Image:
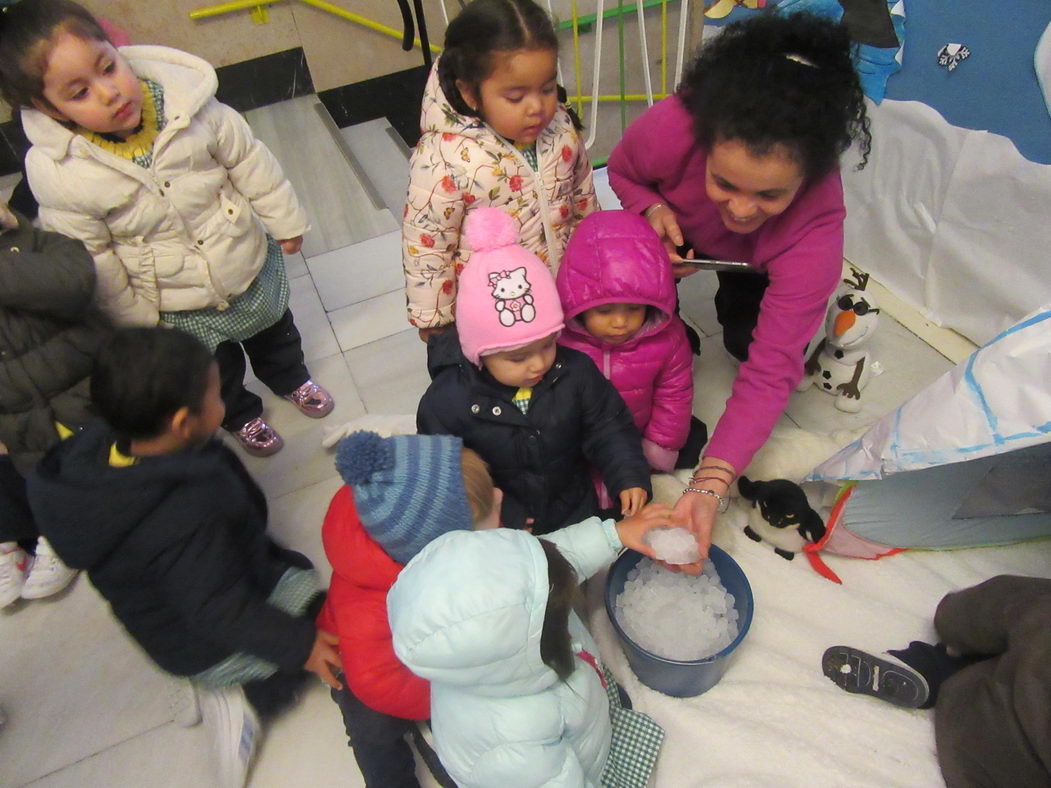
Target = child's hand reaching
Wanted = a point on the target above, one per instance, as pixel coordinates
(291, 245)
(323, 657)
(632, 500)
(631, 530)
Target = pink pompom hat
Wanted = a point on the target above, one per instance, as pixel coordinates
(506, 296)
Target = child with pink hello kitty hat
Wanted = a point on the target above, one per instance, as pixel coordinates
(540, 414)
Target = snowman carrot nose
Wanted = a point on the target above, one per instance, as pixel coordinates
(844, 322)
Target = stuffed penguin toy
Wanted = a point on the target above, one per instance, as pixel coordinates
(781, 515)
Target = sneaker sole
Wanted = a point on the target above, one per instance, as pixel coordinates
(862, 673)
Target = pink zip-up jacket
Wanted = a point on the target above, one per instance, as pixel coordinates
(801, 250)
(615, 257)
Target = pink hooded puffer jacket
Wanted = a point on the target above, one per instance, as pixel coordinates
(615, 257)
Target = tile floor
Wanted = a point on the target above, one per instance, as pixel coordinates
(85, 707)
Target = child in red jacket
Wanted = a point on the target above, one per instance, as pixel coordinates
(401, 493)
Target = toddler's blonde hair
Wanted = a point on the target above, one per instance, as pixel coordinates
(478, 484)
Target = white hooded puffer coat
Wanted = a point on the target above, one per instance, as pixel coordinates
(467, 614)
(190, 231)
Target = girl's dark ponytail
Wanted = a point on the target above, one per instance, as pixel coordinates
(563, 99)
(555, 641)
(447, 76)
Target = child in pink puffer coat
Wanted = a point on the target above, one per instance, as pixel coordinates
(619, 299)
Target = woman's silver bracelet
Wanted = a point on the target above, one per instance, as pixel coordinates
(724, 503)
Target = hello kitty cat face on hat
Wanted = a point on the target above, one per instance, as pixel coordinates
(506, 297)
(513, 301)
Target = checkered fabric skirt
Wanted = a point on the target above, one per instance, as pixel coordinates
(254, 310)
(635, 746)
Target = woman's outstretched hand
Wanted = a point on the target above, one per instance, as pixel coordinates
(697, 512)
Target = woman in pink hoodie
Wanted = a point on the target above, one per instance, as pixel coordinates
(742, 163)
(618, 295)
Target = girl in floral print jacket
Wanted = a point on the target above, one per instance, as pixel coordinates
(493, 134)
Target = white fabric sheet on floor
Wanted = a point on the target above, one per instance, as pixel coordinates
(774, 719)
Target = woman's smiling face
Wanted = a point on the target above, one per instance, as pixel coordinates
(749, 189)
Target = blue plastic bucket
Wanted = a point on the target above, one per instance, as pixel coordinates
(681, 679)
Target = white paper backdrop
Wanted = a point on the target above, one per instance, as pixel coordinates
(953, 221)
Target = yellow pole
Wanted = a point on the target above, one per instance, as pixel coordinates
(321, 5)
(576, 58)
(226, 8)
(664, 46)
(368, 23)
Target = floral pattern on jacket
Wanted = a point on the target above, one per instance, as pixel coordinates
(459, 164)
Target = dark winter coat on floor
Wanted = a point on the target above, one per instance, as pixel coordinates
(540, 460)
(49, 332)
(991, 720)
(177, 545)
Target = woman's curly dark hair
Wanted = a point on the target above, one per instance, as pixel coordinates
(483, 28)
(780, 80)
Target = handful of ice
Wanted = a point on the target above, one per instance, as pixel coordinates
(674, 615)
(674, 545)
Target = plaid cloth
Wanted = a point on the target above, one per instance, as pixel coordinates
(529, 154)
(522, 399)
(156, 93)
(256, 309)
(636, 740)
(292, 594)
(635, 746)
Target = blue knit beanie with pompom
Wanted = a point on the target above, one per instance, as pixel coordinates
(408, 489)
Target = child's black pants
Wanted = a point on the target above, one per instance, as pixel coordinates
(276, 354)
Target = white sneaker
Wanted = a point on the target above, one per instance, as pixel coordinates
(238, 732)
(48, 574)
(13, 565)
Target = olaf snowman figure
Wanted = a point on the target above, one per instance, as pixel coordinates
(840, 363)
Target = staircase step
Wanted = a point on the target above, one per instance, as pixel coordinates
(304, 139)
(384, 157)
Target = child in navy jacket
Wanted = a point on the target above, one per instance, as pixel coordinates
(537, 413)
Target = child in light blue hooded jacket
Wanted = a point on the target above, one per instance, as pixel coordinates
(518, 694)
